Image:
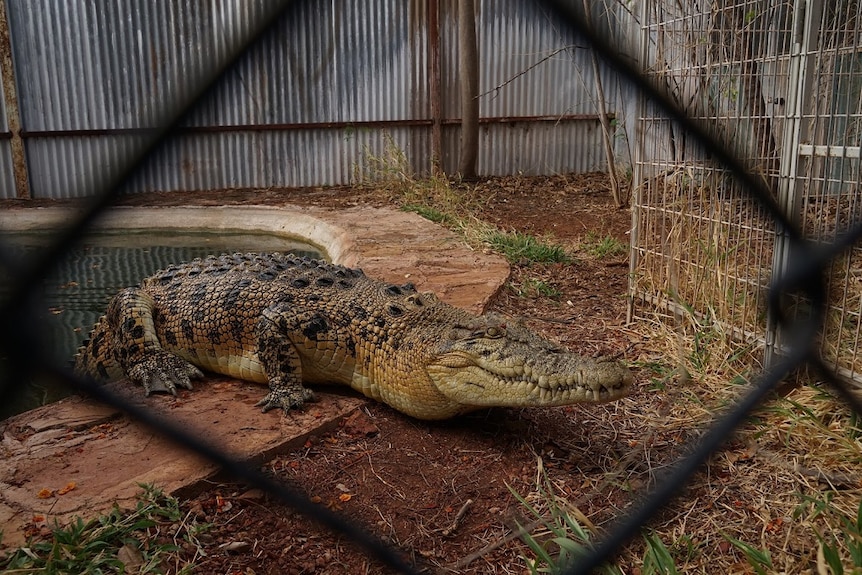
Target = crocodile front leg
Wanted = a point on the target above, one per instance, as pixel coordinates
(280, 359)
(137, 347)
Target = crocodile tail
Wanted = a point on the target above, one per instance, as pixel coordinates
(95, 358)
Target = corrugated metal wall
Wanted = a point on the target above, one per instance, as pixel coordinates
(7, 180)
(533, 70)
(330, 83)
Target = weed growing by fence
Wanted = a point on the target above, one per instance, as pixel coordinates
(144, 540)
(438, 199)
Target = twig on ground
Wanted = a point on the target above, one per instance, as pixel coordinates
(455, 522)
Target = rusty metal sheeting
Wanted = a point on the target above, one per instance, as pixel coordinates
(93, 77)
(7, 180)
(294, 158)
(533, 148)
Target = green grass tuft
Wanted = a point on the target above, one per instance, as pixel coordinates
(658, 559)
(519, 248)
(430, 213)
(534, 288)
(759, 559)
(605, 247)
(139, 541)
(841, 541)
(566, 539)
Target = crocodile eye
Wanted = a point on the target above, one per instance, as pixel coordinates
(493, 332)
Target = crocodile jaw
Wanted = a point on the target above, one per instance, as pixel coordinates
(492, 360)
(475, 382)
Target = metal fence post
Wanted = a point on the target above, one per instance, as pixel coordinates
(806, 16)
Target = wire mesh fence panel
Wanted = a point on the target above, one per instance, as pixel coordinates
(824, 196)
(779, 87)
(770, 90)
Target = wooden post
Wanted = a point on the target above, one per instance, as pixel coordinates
(468, 61)
(7, 78)
(436, 92)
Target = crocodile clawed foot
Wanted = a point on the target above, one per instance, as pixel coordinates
(164, 372)
(286, 399)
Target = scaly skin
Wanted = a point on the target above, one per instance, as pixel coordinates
(284, 321)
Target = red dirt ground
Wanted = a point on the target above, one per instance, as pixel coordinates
(407, 480)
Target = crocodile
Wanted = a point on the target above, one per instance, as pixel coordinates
(285, 321)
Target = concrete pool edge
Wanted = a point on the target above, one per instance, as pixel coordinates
(387, 244)
(88, 456)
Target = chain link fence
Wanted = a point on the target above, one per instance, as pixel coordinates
(727, 231)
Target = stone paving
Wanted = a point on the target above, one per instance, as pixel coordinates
(78, 457)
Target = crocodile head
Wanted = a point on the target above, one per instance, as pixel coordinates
(495, 361)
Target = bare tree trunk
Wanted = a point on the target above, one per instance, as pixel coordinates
(620, 200)
(434, 85)
(469, 75)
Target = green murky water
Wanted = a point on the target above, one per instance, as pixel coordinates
(76, 294)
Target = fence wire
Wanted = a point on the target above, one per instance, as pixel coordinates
(804, 278)
(21, 344)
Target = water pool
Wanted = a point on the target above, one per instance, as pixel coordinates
(76, 294)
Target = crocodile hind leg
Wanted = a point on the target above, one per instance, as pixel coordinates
(137, 347)
(96, 358)
(280, 359)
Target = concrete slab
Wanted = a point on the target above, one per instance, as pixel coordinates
(77, 457)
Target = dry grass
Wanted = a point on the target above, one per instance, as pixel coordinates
(784, 493)
(791, 475)
(781, 496)
(444, 201)
(705, 249)
(797, 453)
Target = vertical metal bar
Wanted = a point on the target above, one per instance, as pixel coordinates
(10, 95)
(637, 165)
(803, 50)
(434, 80)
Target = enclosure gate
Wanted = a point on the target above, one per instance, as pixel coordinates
(819, 184)
(781, 85)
